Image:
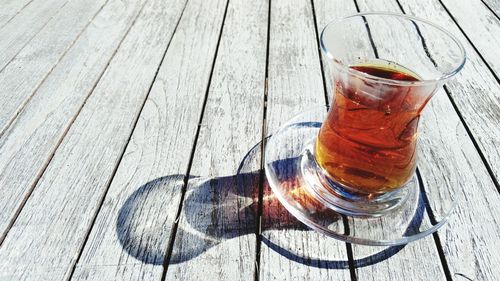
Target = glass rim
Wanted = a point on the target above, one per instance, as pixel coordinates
(374, 78)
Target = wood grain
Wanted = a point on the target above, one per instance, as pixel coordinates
(19, 31)
(86, 150)
(37, 59)
(475, 90)
(134, 226)
(295, 84)
(480, 25)
(35, 134)
(10, 8)
(49, 232)
(218, 218)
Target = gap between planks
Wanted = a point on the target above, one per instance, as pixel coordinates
(260, 206)
(432, 218)
(170, 247)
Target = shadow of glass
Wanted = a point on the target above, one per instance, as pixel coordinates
(377, 257)
(215, 210)
(147, 242)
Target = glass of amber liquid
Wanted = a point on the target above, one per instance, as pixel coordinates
(384, 69)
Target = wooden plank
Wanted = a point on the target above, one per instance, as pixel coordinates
(480, 25)
(291, 251)
(218, 220)
(134, 226)
(48, 235)
(36, 60)
(19, 31)
(377, 263)
(475, 90)
(37, 131)
(471, 238)
(10, 8)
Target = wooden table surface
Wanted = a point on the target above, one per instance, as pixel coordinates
(131, 141)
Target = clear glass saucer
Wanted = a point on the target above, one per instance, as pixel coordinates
(423, 211)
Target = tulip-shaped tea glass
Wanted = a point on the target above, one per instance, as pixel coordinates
(360, 160)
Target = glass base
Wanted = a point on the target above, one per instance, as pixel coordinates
(342, 199)
(304, 189)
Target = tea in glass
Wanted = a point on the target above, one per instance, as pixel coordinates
(368, 141)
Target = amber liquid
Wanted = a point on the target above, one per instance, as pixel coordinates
(369, 146)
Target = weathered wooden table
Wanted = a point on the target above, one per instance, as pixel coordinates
(131, 141)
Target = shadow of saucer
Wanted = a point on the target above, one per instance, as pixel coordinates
(235, 211)
(384, 254)
(216, 210)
